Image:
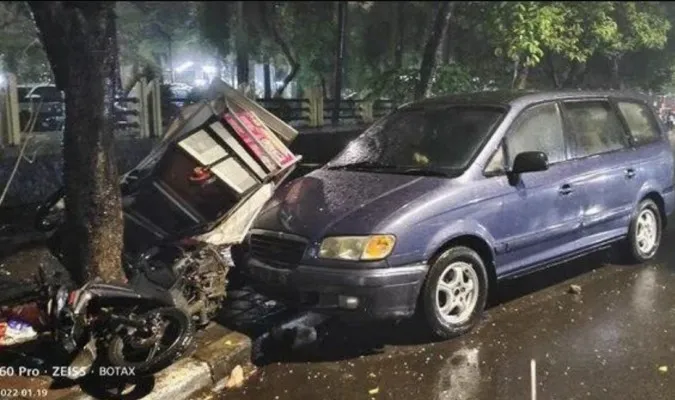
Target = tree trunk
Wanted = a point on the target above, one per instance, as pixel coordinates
(579, 76)
(267, 79)
(448, 46)
(241, 44)
(552, 70)
(11, 62)
(575, 76)
(285, 48)
(521, 78)
(431, 49)
(136, 75)
(617, 82)
(324, 91)
(329, 85)
(117, 70)
(400, 35)
(78, 40)
(339, 60)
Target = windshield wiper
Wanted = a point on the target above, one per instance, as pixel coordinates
(363, 165)
(373, 166)
(425, 172)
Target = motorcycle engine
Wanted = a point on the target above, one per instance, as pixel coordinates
(202, 281)
(195, 276)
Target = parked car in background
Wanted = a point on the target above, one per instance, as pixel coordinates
(23, 90)
(24, 104)
(44, 99)
(432, 206)
(178, 92)
(48, 102)
(174, 96)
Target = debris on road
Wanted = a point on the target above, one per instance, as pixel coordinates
(374, 391)
(663, 369)
(14, 332)
(236, 379)
(574, 289)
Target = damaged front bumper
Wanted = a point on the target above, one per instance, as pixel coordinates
(366, 294)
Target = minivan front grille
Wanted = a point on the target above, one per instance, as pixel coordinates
(277, 250)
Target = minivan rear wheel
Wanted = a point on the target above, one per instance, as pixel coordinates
(455, 291)
(644, 233)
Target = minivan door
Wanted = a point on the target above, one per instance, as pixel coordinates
(541, 210)
(603, 163)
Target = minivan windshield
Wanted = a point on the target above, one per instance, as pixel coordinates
(426, 141)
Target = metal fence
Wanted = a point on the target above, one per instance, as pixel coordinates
(315, 111)
(145, 113)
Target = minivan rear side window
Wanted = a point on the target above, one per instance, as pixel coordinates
(640, 120)
(594, 128)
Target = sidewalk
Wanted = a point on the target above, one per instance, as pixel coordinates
(216, 353)
(219, 352)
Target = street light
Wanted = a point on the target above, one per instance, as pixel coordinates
(209, 69)
(184, 66)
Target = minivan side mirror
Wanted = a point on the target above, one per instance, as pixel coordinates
(530, 161)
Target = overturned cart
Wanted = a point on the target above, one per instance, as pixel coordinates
(208, 178)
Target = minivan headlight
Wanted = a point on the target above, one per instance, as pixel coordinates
(354, 248)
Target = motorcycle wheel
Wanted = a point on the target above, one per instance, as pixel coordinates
(176, 336)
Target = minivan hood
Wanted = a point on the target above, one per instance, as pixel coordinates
(339, 202)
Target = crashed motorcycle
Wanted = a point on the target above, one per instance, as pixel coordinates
(185, 205)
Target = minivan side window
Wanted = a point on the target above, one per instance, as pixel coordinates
(496, 164)
(538, 129)
(594, 128)
(643, 128)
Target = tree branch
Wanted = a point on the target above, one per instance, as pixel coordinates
(552, 71)
(9, 23)
(52, 30)
(271, 29)
(431, 47)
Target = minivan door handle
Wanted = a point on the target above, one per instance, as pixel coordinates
(565, 189)
(630, 173)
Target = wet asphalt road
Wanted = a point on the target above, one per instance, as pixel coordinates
(610, 341)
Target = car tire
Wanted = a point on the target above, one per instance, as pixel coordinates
(466, 280)
(644, 233)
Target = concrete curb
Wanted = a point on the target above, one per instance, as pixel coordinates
(205, 368)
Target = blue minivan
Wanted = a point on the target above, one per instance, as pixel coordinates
(434, 204)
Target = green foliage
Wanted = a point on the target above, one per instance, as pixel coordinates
(641, 25)
(399, 84)
(146, 28)
(454, 78)
(218, 24)
(215, 24)
(393, 84)
(311, 30)
(526, 31)
(20, 49)
(485, 41)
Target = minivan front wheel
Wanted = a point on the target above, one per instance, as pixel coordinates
(454, 293)
(644, 233)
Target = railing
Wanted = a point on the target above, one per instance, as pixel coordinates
(140, 115)
(317, 112)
